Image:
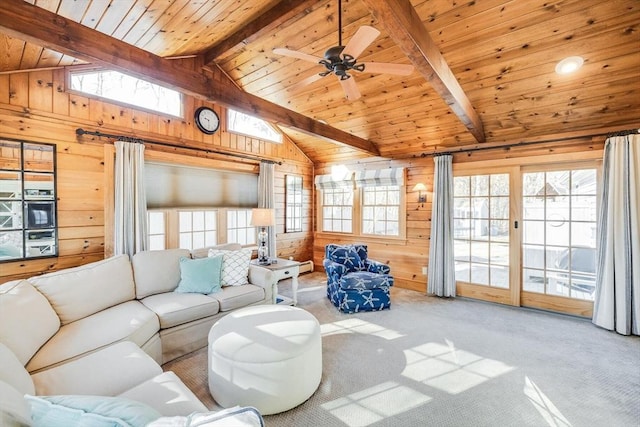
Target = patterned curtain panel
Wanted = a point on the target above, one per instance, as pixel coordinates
(380, 177)
(617, 300)
(441, 278)
(324, 182)
(130, 219)
(266, 200)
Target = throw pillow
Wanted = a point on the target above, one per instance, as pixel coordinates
(201, 275)
(347, 256)
(89, 411)
(237, 417)
(235, 266)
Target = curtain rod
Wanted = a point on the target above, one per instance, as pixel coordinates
(525, 143)
(80, 132)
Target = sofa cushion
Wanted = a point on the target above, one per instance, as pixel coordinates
(13, 372)
(107, 372)
(157, 272)
(82, 291)
(27, 320)
(237, 416)
(235, 266)
(130, 321)
(14, 410)
(361, 280)
(233, 297)
(94, 411)
(175, 309)
(204, 252)
(166, 394)
(200, 275)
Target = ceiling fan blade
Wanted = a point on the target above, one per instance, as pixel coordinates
(360, 40)
(387, 68)
(304, 82)
(350, 88)
(295, 54)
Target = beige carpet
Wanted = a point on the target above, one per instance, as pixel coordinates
(437, 362)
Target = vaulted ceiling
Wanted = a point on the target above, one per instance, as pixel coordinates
(484, 70)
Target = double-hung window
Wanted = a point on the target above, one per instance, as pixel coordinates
(367, 203)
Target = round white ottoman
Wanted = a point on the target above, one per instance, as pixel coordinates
(267, 356)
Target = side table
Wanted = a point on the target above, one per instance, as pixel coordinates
(284, 269)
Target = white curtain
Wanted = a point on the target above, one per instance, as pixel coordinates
(130, 201)
(617, 300)
(266, 200)
(441, 277)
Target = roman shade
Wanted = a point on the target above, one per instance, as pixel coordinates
(380, 177)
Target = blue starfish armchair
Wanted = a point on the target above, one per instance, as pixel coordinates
(354, 282)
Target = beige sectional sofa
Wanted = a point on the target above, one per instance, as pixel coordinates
(104, 329)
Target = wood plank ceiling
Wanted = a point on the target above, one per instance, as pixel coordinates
(503, 54)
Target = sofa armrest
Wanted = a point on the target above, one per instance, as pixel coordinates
(376, 267)
(264, 278)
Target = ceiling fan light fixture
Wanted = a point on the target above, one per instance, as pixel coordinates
(569, 65)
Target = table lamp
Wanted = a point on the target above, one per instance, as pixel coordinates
(263, 218)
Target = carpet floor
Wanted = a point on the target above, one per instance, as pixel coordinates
(455, 362)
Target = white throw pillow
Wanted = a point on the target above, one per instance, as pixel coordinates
(235, 266)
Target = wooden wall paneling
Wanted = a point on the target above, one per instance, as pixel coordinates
(19, 89)
(4, 88)
(60, 98)
(86, 164)
(41, 90)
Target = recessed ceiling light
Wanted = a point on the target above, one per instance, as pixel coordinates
(569, 65)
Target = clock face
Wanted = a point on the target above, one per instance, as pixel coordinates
(207, 120)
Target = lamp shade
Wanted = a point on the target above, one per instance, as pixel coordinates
(420, 187)
(263, 217)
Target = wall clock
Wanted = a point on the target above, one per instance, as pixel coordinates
(207, 120)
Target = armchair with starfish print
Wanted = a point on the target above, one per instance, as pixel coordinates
(355, 282)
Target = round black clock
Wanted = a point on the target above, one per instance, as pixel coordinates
(207, 120)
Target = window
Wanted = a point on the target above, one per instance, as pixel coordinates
(126, 89)
(28, 221)
(381, 210)
(337, 210)
(199, 228)
(157, 231)
(375, 207)
(251, 126)
(238, 228)
(293, 202)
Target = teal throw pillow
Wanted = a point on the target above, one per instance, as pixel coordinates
(89, 411)
(200, 275)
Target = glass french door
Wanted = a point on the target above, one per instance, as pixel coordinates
(482, 241)
(526, 236)
(559, 239)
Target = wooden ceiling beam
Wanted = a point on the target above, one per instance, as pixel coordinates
(27, 22)
(261, 25)
(405, 27)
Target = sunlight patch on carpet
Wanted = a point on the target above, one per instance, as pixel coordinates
(358, 326)
(375, 404)
(449, 369)
(543, 404)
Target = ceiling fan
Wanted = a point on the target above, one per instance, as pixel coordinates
(342, 60)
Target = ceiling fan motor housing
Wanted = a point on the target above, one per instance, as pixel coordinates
(340, 65)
